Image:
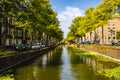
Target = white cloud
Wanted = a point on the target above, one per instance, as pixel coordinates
(65, 17)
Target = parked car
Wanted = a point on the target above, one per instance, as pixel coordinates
(20, 47)
(27, 46)
(44, 44)
(35, 45)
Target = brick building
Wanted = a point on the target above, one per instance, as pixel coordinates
(105, 34)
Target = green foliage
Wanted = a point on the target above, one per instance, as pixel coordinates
(118, 34)
(111, 73)
(55, 32)
(94, 17)
(7, 75)
(35, 16)
(91, 55)
(70, 37)
(5, 52)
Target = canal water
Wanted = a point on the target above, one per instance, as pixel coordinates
(60, 64)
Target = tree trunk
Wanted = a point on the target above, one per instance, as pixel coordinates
(31, 38)
(90, 37)
(81, 39)
(95, 37)
(102, 35)
(39, 36)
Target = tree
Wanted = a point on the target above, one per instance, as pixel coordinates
(35, 16)
(70, 37)
(103, 13)
(94, 17)
(6, 14)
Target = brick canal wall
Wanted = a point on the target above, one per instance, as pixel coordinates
(9, 61)
(112, 51)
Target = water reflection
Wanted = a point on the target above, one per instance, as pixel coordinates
(66, 72)
(63, 63)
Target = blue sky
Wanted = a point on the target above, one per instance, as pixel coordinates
(67, 10)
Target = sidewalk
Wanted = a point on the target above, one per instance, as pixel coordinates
(106, 51)
(14, 52)
(102, 55)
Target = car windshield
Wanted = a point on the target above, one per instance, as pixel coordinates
(20, 45)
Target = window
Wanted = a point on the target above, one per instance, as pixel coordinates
(2, 29)
(16, 41)
(8, 30)
(19, 32)
(113, 26)
(15, 31)
(113, 37)
(10, 41)
(113, 32)
(109, 37)
(11, 31)
(7, 42)
(109, 33)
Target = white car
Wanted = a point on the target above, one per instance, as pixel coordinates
(42, 45)
(35, 46)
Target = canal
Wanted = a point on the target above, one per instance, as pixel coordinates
(63, 63)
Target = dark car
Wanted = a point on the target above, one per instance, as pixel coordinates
(20, 47)
(27, 46)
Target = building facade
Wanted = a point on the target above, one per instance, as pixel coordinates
(13, 35)
(105, 34)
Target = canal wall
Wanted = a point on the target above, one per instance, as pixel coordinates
(9, 61)
(111, 51)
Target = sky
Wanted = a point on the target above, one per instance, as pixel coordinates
(67, 10)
